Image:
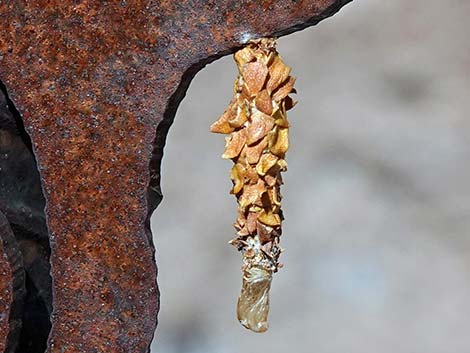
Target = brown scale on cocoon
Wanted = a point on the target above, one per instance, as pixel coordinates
(257, 125)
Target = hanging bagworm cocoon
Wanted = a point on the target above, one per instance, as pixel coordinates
(257, 125)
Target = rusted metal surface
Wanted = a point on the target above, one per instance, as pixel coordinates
(11, 288)
(97, 84)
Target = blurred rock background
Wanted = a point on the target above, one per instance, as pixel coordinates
(376, 198)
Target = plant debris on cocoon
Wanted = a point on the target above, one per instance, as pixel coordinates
(257, 125)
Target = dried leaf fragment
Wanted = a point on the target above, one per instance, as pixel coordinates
(251, 195)
(284, 90)
(239, 118)
(271, 179)
(254, 74)
(253, 152)
(289, 103)
(281, 145)
(280, 119)
(264, 233)
(222, 126)
(266, 162)
(234, 144)
(264, 102)
(251, 176)
(236, 174)
(278, 73)
(270, 218)
(244, 56)
(259, 127)
(282, 164)
(251, 222)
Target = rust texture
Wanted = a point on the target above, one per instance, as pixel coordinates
(12, 288)
(97, 84)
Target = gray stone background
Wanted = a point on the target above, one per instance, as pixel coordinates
(376, 198)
